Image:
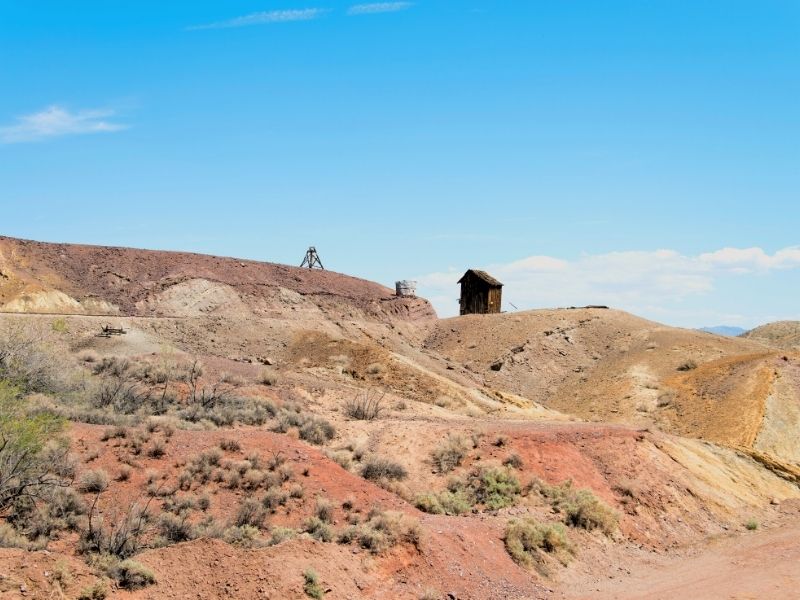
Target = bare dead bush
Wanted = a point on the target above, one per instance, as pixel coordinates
(450, 453)
(366, 406)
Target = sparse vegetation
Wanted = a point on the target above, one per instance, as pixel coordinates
(250, 512)
(230, 445)
(484, 486)
(580, 507)
(513, 461)
(445, 502)
(96, 591)
(318, 529)
(688, 365)
(311, 586)
(450, 453)
(33, 455)
(751, 525)
(377, 468)
(492, 487)
(93, 481)
(525, 540)
(366, 406)
(131, 575)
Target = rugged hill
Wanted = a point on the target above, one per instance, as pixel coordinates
(610, 366)
(75, 279)
(784, 335)
(600, 398)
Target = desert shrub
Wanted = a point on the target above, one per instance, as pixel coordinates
(11, 538)
(367, 406)
(33, 455)
(281, 534)
(751, 525)
(157, 449)
(88, 356)
(323, 510)
(493, 487)
(450, 453)
(96, 591)
(175, 528)
(348, 535)
(61, 509)
(384, 530)
(445, 502)
(121, 538)
(27, 358)
(297, 491)
(245, 536)
(230, 445)
(124, 473)
(285, 472)
(93, 481)
(317, 431)
(274, 498)
(118, 433)
(580, 507)
(500, 441)
(525, 539)
(131, 575)
(267, 377)
(377, 468)
(277, 460)
(688, 365)
(311, 585)
(203, 502)
(250, 512)
(341, 458)
(233, 480)
(252, 479)
(232, 379)
(513, 461)
(376, 368)
(318, 529)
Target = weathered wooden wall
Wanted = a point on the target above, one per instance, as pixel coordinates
(478, 297)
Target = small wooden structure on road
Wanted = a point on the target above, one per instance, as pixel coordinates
(480, 293)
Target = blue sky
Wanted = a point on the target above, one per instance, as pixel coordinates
(644, 154)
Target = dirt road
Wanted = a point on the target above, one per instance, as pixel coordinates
(763, 565)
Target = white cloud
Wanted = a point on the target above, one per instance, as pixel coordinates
(649, 282)
(55, 121)
(378, 7)
(263, 18)
(753, 259)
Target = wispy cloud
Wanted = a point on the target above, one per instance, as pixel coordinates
(651, 282)
(266, 17)
(378, 7)
(56, 121)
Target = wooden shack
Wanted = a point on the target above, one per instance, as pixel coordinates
(480, 293)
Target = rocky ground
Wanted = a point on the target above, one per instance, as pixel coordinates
(690, 439)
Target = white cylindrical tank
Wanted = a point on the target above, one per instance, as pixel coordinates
(406, 288)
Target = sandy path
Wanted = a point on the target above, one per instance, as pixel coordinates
(759, 566)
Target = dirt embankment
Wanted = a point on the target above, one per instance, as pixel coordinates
(783, 335)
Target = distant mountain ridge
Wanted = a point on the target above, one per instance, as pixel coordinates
(726, 330)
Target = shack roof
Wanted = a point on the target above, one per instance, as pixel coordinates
(482, 275)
